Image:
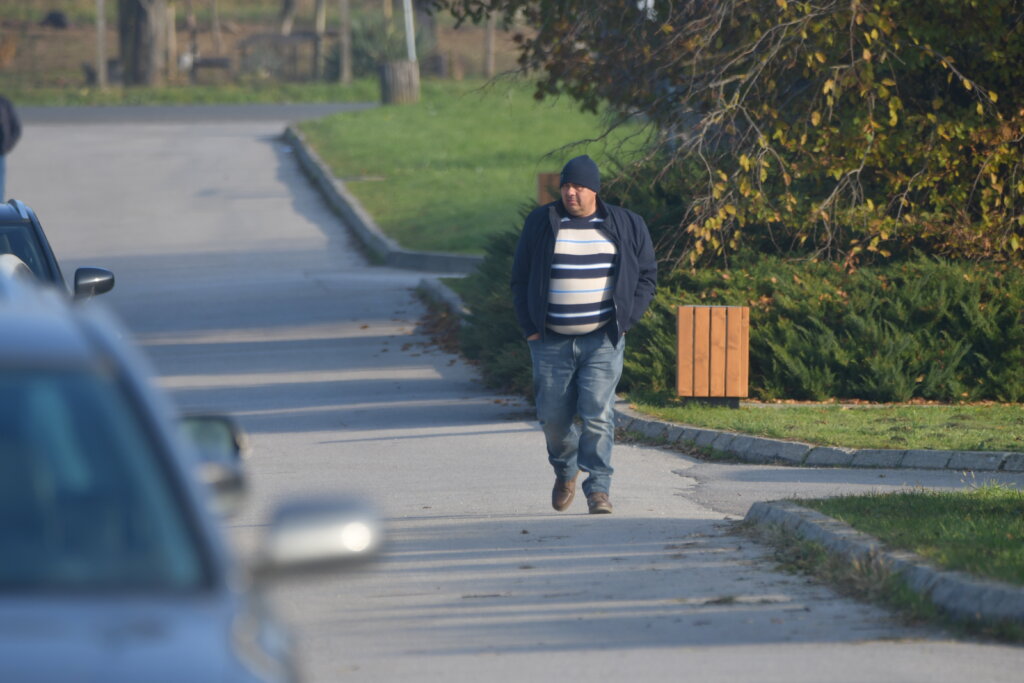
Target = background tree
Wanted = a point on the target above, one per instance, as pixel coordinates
(841, 129)
(287, 16)
(142, 35)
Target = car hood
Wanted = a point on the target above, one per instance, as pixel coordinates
(140, 639)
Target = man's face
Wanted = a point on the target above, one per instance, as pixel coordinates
(579, 200)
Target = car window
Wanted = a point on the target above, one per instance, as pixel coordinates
(20, 241)
(85, 502)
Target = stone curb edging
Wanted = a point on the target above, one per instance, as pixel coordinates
(359, 220)
(958, 594)
(435, 290)
(780, 452)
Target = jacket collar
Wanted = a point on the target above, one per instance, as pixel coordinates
(561, 212)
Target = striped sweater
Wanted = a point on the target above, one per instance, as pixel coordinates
(582, 277)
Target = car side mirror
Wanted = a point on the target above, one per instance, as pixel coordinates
(316, 535)
(91, 281)
(221, 446)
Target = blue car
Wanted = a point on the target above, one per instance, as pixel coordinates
(22, 235)
(113, 561)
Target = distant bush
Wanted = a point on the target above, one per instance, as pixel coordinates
(925, 328)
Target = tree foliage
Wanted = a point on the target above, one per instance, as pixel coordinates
(848, 130)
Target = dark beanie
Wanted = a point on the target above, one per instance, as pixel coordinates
(581, 171)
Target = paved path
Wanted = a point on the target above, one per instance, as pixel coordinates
(250, 298)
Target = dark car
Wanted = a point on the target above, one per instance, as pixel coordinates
(22, 235)
(113, 563)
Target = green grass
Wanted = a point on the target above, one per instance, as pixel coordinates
(84, 11)
(990, 427)
(980, 531)
(363, 90)
(873, 581)
(447, 172)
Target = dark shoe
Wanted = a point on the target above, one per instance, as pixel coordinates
(563, 493)
(599, 504)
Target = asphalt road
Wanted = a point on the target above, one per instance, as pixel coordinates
(250, 298)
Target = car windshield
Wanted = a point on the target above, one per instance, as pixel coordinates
(85, 503)
(21, 241)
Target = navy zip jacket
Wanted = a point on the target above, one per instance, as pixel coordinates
(635, 267)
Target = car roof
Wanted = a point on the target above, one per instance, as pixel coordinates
(41, 337)
(40, 326)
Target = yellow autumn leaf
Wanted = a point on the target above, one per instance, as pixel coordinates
(829, 86)
(782, 3)
(993, 96)
(967, 84)
(820, 56)
(815, 118)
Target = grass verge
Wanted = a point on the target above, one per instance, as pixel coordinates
(449, 171)
(873, 581)
(362, 90)
(989, 427)
(980, 531)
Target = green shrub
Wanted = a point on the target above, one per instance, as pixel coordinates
(922, 329)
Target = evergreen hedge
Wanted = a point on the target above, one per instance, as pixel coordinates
(920, 329)
(924, 328)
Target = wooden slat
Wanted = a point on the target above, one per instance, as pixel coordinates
(701, 350)
(684, 357)
(744, 360)
(733, 351)
(716, 354)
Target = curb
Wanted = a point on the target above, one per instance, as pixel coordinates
(958, 594)
(380, 246)
(435, 290)
(767, 451)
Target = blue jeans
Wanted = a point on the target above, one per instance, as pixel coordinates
(576, 377)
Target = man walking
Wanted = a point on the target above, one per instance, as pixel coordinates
(584, 272)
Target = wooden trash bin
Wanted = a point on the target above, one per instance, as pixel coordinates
(713, 353)
(547, 187)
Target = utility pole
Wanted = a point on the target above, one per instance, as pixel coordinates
(344, 41)
(101, 44)
(410, 30)
(319, 28)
